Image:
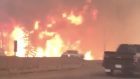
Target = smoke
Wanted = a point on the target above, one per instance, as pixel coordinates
(121, 25)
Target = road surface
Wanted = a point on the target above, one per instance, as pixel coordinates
(88, 70)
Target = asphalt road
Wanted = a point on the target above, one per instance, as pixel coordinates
(89, 70)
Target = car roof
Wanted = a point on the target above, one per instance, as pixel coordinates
(71, 52)
(133, 48)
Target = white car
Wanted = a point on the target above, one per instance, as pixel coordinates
(72, 53)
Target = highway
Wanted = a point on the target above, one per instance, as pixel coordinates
(88, 70)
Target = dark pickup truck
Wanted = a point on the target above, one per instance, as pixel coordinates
(126, 59)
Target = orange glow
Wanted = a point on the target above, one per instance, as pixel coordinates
(46, 40)
(40, 52)
(88, 56)
(45, 33)
(49, 25)
(74, 19)
(4, 34)
(41, 35)
(36, 25)
(19, 35)
(88, 1)
(64, 15)
(54, 46)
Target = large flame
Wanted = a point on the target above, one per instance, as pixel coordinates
(54, 47)
(54, 44)
(19, 35)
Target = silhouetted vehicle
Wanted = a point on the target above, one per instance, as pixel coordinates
(126, 59)
(72, 53)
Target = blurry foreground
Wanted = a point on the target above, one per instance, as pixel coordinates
(53, 68)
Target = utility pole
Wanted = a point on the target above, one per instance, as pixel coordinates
(15, 47)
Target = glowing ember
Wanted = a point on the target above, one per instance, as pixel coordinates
(88, 56)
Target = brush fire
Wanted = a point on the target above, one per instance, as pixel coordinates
(49, 37)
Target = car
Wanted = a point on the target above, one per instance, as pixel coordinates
(71, 54)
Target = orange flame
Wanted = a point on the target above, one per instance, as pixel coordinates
(40, 52)
(36, 25)
(54, 46)
(51, 23)
(88, 56)
(45, 33)
(74, 19)
(19, 35)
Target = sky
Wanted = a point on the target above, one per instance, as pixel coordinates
(117, 20)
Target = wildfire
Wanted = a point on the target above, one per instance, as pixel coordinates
(74, 19)
(45, 33)
(49, 25)
(19, 35)
(36, 25)
(40, 52)
(53, 43)
(54, 47)
(88, 56)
